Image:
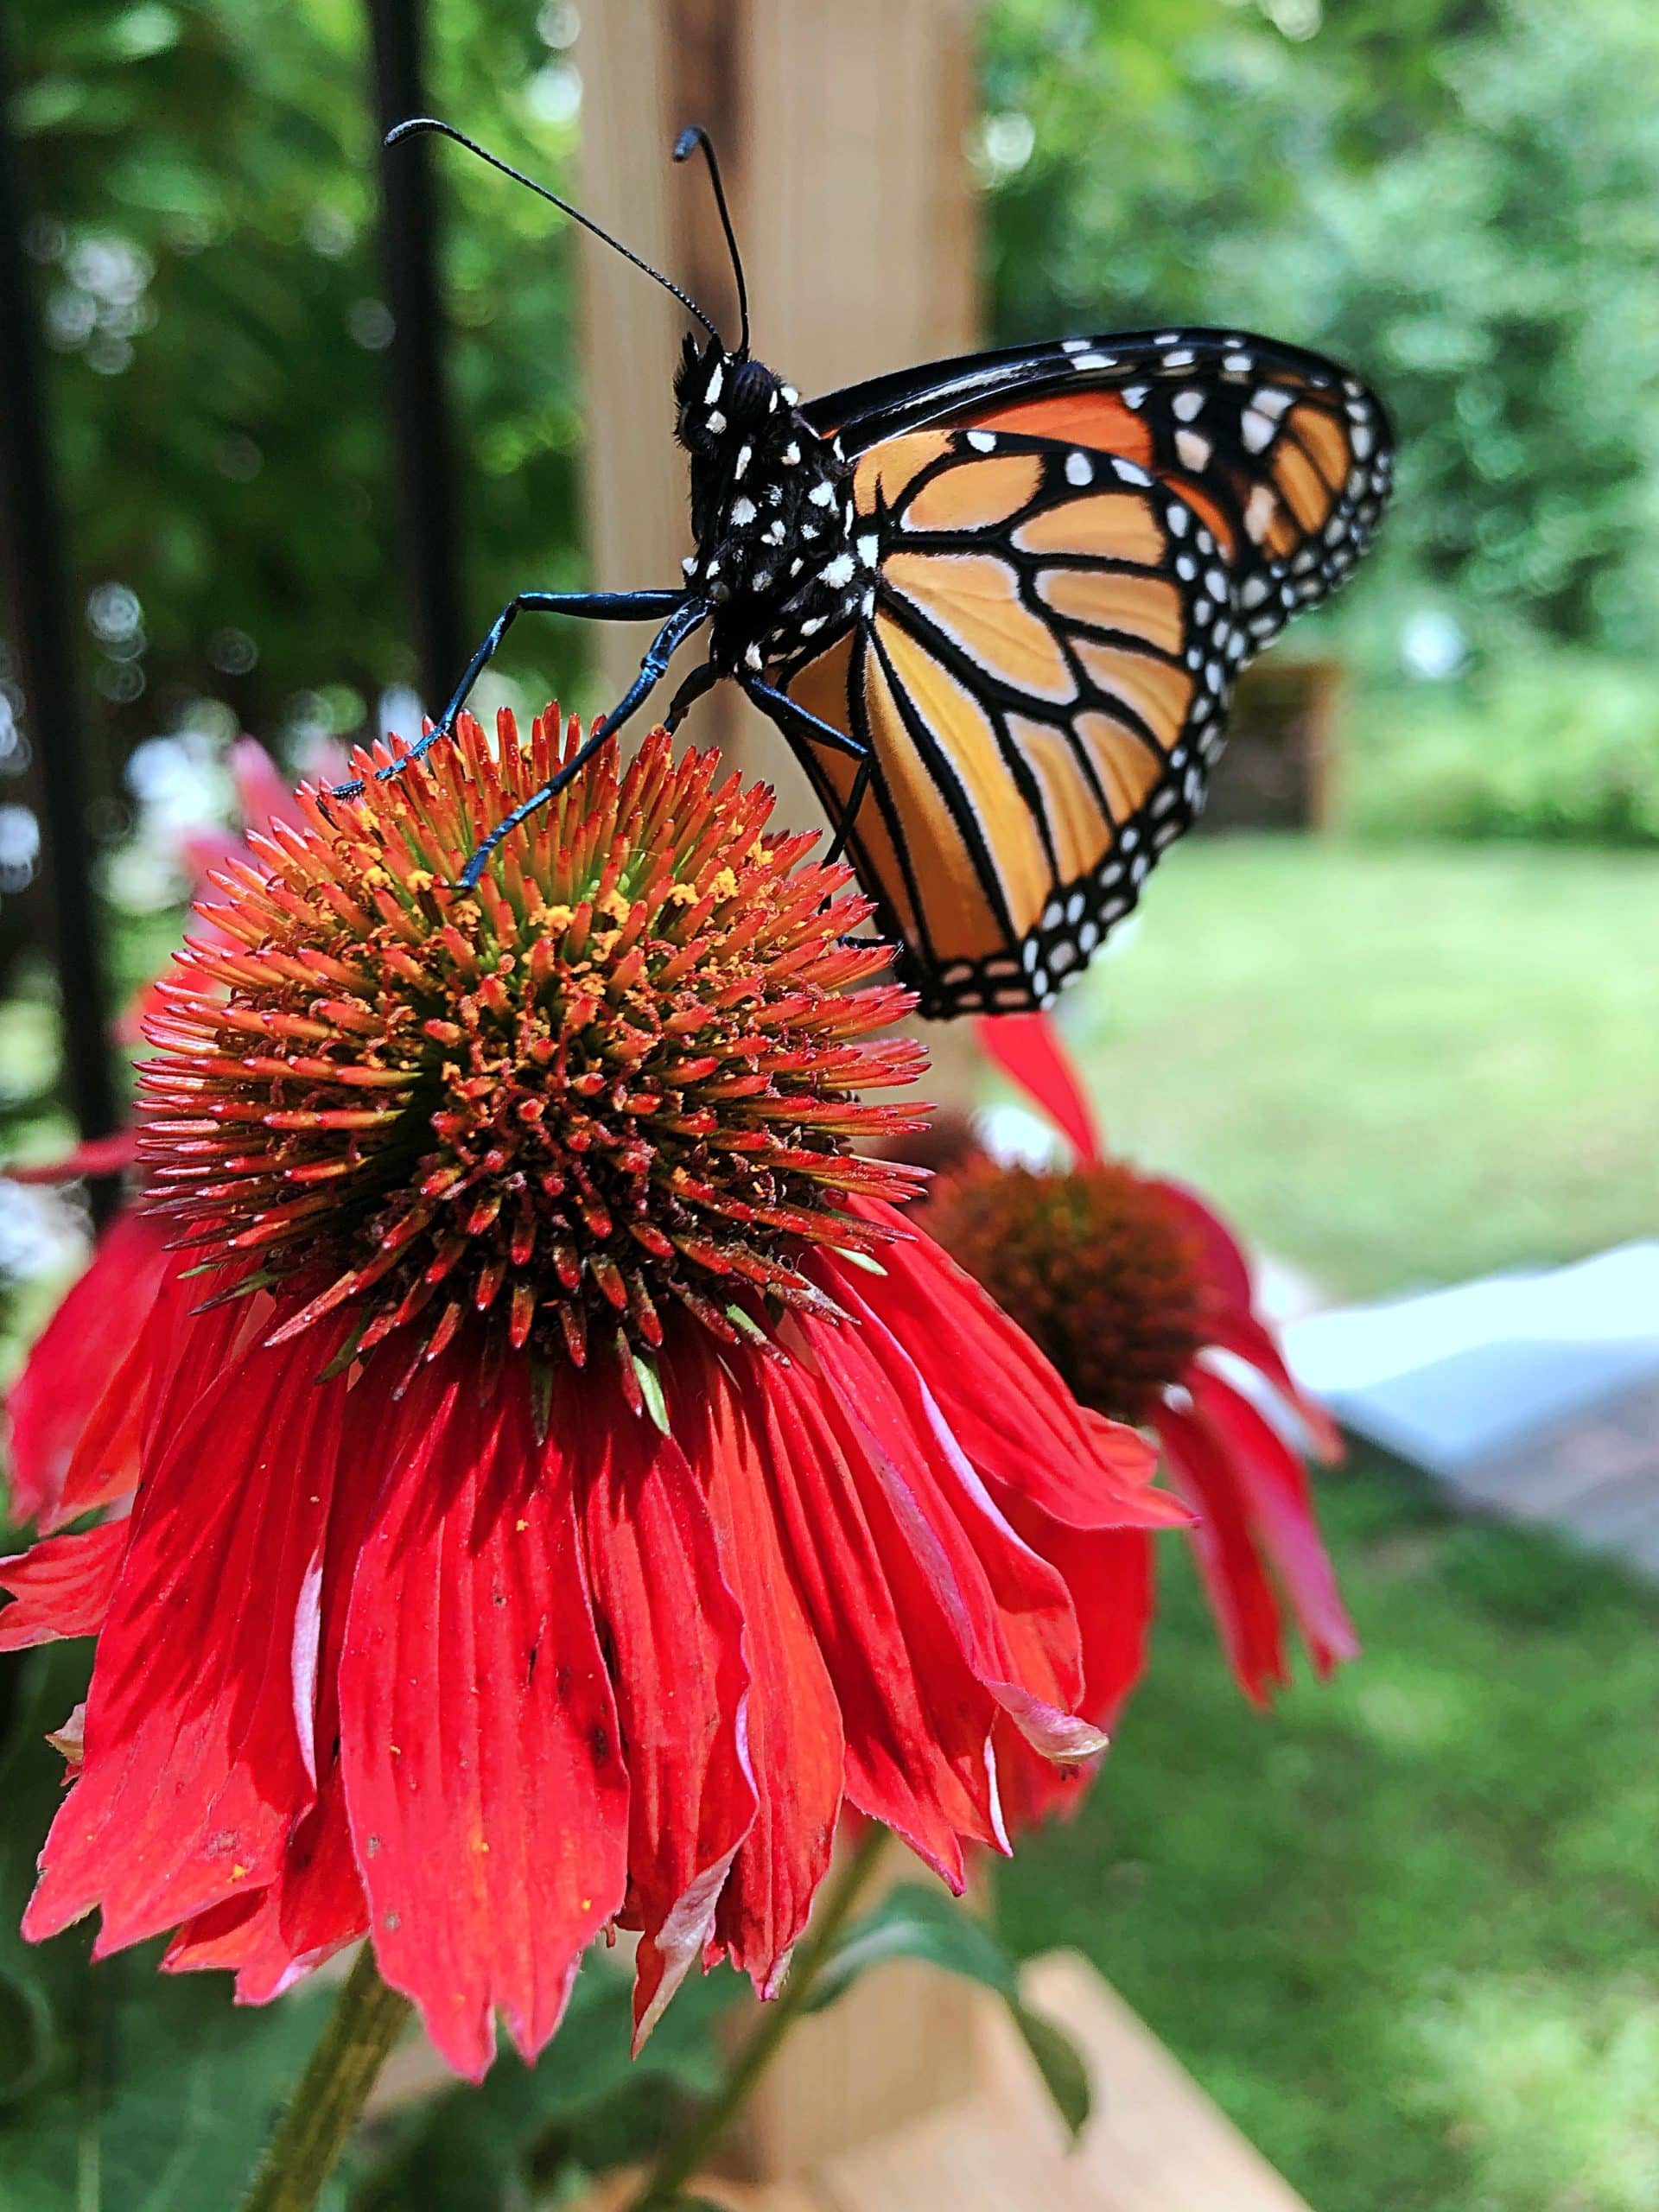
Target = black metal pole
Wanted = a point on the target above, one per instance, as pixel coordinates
(31, 531)
(421, 425)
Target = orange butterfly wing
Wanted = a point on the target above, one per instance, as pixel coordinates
(1068, 580)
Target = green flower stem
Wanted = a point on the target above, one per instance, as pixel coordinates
(366, 2021)
(685, 2155)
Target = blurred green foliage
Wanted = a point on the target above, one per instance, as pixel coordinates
(203, 183)
(1462, 195)
(1558, 746)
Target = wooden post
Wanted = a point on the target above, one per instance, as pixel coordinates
(841, 131)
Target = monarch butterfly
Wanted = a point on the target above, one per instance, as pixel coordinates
(995, 605)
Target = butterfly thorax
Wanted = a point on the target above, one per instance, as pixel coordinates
(771, 512)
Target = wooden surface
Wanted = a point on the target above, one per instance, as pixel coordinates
(1156, 2143)
(842, 134)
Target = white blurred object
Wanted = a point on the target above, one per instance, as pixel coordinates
(1432, 645)
(40, 1232)
(1015, 1137)
(1451, 1378)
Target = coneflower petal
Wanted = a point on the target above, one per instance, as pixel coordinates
(482, 1758)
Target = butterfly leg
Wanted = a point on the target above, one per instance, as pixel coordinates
(587, 605)
(690, 616)
(700, 680)
(796, 723)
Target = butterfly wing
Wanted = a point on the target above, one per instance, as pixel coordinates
(1075, 553)
(1041, 678)
(1288, 457)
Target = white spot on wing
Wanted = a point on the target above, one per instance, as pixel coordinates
(1194, 450)
(1256, 429)
(983, 441)
(1079, 469)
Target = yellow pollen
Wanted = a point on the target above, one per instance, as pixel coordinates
(377, 875)
(616, 908)
(552, 917)
(420, 878)
(680, 895)
(725, 884)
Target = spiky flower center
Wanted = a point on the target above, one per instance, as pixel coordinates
(626, 1072)
(1095, 1265)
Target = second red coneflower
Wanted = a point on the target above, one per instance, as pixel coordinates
(558, 1483)
(1138, 1291)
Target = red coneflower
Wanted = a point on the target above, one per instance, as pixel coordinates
(570, 1481)
(1133, 1286)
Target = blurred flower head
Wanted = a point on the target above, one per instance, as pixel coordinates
(1140, 1295)
(570, 1484)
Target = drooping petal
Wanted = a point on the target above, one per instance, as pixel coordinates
(1008, 1611)
(82, 1363)
(674, 1634)
(1109, 1574)
(917, 1723)
(1235, 1325)
(196, 1759)
(1028, 1049)
(483, 1768)
(313, 1904)
(110, 1155)
(1003, 1401)
(62, 1586)
(1274, 1489)
(1241, 1596)
(792, 1723)
(313, 1907)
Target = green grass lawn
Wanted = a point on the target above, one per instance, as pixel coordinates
(1393, 1065)
(1406, 1929)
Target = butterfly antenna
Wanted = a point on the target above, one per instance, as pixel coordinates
(689, 139)
(417, 122)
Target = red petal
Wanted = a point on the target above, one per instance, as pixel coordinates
(792, 1725)
(1004, 1403)
(264, 793)
(110, 1155)
(61, 1587)
(313, 1908)
(195, 1764)
(1238, 1329)
(82, 1358)
(314, 1903)
(674, 1633)
(484, 1775)
(1247, 1339)
(1278, 1503)
(1230, 1271)
(917, 1724)
(1109, 1574)
(1028, 1049)
(1240, 1593)
(1008, 1610)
